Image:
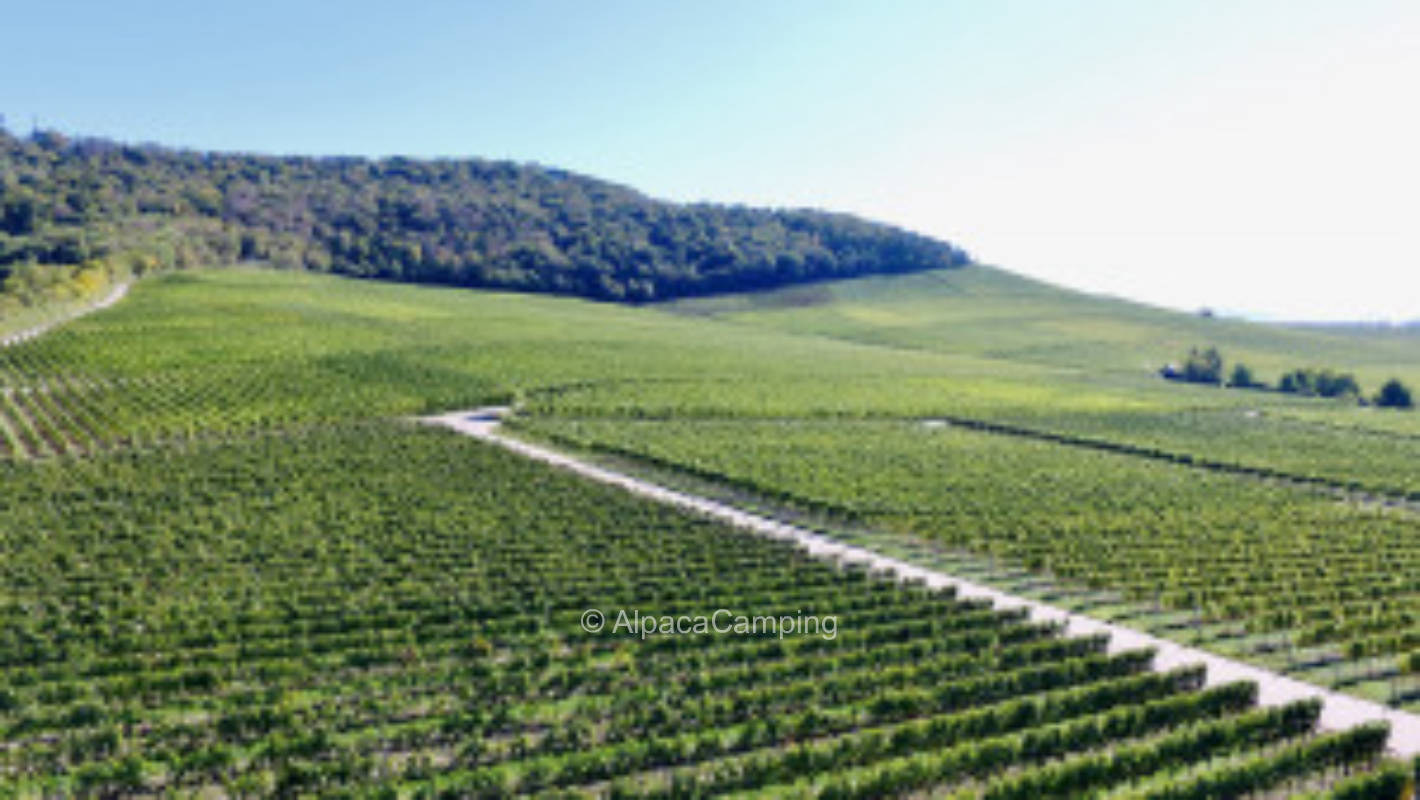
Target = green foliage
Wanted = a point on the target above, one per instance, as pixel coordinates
(1389, 782)
(192, 354)
(31, 294)
(242, 587)
(1273, 441)
(1203, 366)
(460, 222)
(1073, 775)
(348, 603)
(1319, 383)
(1241, 777)
(1267, 557)
(1242, 378)
(1014, 321)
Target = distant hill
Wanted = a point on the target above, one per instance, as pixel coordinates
(467, 222)
(984, 311)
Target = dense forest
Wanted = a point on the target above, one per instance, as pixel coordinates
(70, 208)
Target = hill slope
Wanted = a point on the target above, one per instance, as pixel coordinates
(1088, 473)
(236, 348)
(465, 222)
(984, 311)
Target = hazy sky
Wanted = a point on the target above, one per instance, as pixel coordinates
(1256, 156)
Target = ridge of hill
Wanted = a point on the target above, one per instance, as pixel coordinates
(66, 205)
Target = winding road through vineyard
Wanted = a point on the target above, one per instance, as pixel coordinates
(1339, 711)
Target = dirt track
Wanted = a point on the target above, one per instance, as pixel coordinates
(109, 299)
(1339, 711)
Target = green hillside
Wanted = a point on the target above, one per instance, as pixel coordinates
(231, 566)
(251, 347)
(75, 212)
(985, 311)
(1110, 348)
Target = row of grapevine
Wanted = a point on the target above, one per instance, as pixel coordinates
(225, 578)
(383, 608)
(1314, 578)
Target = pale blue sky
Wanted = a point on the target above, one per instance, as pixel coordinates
(1248, 155)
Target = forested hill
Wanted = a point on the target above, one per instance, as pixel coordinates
(472, 222)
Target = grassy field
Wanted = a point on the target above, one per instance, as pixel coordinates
(229, 567)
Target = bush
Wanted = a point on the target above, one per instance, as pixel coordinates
(1394, 394)
(1242, 378)
(1319, 383)
(1203, 366)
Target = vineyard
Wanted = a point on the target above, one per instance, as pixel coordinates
(227, 566)
(239, 350)
(385, 610)
(1271, 437)
(1273, 441)
(1295, 581)
(219, 352)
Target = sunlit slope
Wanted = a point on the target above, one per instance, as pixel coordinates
(989, 312)
(205, 352)
(202, 354)
(263, 318)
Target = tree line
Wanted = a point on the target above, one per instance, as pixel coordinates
(1206, 365)
(467, 222)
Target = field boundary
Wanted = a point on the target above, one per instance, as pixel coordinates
(1346, 490)
(116, 294)
(1339, 711)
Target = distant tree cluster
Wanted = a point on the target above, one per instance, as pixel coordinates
(1242, 378)
(1201, 366)
(1206, 366)
(1319, 383)
(462, 222)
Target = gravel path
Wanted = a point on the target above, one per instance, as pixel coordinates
(29, 333)
(1339, 711)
